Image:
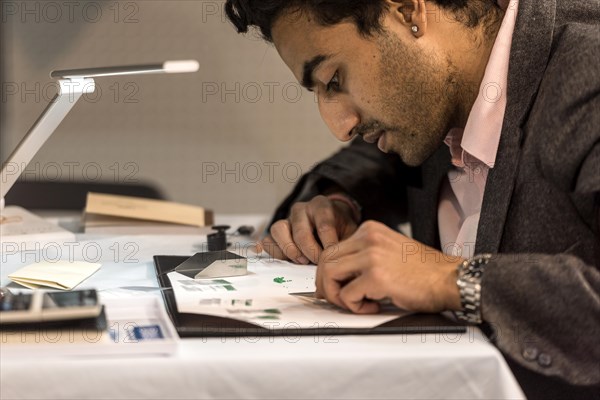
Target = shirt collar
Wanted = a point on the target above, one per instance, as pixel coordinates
(481, 135)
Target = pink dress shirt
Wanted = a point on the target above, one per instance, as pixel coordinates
(474, 149)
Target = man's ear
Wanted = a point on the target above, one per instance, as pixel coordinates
(410, 14)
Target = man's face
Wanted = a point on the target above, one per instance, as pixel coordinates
(390, 88)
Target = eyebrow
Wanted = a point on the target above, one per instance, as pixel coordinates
(309, 68)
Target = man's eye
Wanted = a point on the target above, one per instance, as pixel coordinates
(334, 84)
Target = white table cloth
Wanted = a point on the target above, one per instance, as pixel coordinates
(422, 366)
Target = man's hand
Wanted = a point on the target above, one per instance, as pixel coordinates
(377, 263)
(312, 225)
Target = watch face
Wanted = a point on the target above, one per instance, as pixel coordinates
(473, 270)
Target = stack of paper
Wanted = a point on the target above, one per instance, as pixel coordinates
(136, 327)
(105, 213)
(63, 275)
(21, 230)
(274, 295)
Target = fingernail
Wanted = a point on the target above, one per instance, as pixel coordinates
(303, 260)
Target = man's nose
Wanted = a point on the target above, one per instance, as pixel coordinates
(340, 117)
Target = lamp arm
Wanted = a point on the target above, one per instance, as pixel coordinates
(70, 91)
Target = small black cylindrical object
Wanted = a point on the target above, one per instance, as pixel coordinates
(245, 230)
(218, 240)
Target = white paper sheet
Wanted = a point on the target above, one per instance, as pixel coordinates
(263, 298)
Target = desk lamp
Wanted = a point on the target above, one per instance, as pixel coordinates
(19, 229)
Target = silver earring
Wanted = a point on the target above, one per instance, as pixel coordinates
(414, 29)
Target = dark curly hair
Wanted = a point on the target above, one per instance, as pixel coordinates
(365, 14)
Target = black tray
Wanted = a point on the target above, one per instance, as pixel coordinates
(197, 325)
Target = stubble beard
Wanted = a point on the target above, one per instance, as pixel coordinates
(418, 93)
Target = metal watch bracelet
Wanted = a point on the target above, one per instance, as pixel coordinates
(469, 285)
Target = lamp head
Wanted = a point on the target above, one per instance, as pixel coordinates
(167, 67)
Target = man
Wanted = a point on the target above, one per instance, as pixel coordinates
(490, 113)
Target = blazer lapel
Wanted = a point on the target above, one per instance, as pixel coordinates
(423, 198)
(530, 50)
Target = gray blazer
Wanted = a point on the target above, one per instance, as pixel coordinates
(541, 208)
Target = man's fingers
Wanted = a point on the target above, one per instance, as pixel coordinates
(282, 235)
(331, 288)
(257, 247)
(348, 282)
(322, 214)
(302, 233)
(268, 244)
(347, 259)
(356, 296)
(334, 274)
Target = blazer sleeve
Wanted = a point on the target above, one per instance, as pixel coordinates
(377, 181)
(553, 335)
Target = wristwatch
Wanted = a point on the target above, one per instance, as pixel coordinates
(469, 285)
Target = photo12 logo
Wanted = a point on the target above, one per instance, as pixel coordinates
(72, 171)
(36, 92)
(52, 12)
(250, 172)
(54, 252)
